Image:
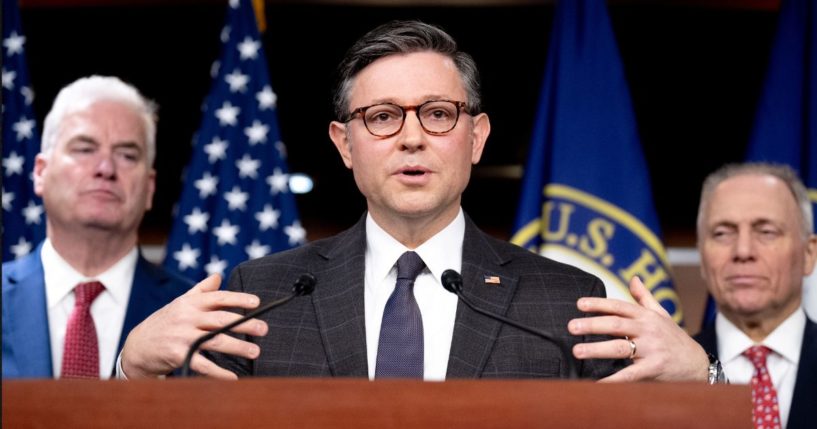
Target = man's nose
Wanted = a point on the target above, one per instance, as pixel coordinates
(106, 166)
(412, 136)
(744, 246)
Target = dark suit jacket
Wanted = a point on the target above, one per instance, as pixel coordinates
(325, 335)
(26, 340)
(803, 413)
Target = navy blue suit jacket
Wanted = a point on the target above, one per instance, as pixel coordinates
(803, 413)
(26, 340)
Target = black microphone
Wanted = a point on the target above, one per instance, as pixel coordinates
(303, 286)
(452, 282)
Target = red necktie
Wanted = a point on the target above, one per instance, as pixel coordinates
(766, 412)
(80, 358)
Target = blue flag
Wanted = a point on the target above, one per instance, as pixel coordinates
(23, 215)
(586, 196)
(236, 203)
(785, 127)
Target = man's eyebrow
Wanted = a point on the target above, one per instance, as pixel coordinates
(82, 138)
(128, 145)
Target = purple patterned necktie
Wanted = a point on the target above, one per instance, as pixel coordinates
(80, 358)
(400, 350)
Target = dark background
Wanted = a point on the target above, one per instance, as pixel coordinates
(695, 73)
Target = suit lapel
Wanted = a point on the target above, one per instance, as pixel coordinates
(475, 334)
(801, 414)
(708, 339)
(338, 301)
(26, 339)
(145, 296)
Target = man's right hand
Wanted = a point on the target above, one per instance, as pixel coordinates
(159, 344)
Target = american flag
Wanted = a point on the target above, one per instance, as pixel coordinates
(23, 217)
(236, 203)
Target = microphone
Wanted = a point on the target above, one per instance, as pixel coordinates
(303, 286)
(452, 282)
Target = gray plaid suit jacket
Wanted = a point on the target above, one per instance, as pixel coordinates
(325, 335)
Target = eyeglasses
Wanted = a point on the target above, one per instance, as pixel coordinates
(386, 119)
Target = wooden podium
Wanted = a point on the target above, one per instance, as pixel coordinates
(352, 403)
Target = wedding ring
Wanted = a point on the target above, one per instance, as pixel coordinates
(632, 347)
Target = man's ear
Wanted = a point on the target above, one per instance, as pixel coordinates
(811, 254)
(40, 164)
(480, 132)
(339, 135)
(151, 189)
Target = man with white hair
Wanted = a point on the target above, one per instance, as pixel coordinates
(69, 305)
(756, 242)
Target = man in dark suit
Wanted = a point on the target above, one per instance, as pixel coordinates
(94, 173)
(410, 128)
(756, 241)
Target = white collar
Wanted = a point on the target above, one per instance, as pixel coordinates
(786, 340)
(441, 252)
(61, 278)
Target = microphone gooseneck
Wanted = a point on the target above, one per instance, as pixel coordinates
(452, 282)
(303, 286)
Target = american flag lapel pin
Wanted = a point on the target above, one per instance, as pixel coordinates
(492, 280)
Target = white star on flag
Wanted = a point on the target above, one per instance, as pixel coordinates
(267, 219)
(225, 34)
(249, 48)
(237, 81)
(248, 167)
(8, 198)
(13, 164)
(32, 213)
(8, 79)
(196, 221)
(256, 250)
(215, 266)
(266, 98)
(14, 44)
(187, 257)
(257, 133)
(226, 232)
(206, 185)
(24, 128)
(296, 233)
(27, 94)
(281, 148)
(278, 182)
(214, 68)
(227, 114)
(21, 249)
(215, 150)
(236, 199)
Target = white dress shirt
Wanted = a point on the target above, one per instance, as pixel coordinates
(785, 342)
(438, 307)
(108, 309)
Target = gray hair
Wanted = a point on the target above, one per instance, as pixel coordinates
(404, 37)
(783, 172)
(86, 91)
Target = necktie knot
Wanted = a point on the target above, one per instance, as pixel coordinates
(409, 266)
(86, 293)
(758, 355)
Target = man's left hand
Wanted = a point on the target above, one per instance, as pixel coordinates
(663, 350)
